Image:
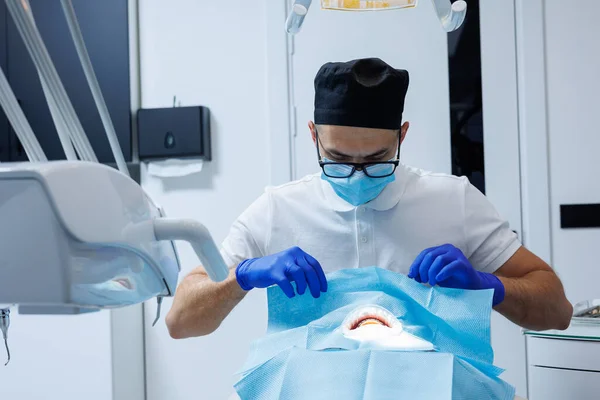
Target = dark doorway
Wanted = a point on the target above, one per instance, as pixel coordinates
(466, 117)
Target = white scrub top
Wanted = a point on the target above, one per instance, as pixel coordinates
(417, 211)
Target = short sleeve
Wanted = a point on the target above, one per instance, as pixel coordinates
(248, 235)
(489, 240)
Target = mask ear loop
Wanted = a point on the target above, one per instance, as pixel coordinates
(319, 157)
(399, 144)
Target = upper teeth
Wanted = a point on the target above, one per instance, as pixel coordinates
(370, 312)
(370, 321)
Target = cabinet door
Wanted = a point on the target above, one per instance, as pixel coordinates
(3, 120)
(561, 384)
(572, 50)
(104, 25)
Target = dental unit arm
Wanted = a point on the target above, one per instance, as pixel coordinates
(451, 15)
(77, 236)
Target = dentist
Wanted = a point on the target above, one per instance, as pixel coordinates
(365, 208)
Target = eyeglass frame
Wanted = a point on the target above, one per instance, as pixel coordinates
(355, 166)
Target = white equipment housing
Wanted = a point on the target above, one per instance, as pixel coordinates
(78, 236)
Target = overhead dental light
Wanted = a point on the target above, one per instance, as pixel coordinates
(451, 15)
(77, 236)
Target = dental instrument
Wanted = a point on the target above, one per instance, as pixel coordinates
(451, 15)
(158, 307)
(4, 325)
(79, 236)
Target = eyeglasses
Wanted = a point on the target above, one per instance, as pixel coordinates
(380, 169)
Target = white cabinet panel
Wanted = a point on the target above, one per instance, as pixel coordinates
(570, 354)
(559, 384)
(57, 357)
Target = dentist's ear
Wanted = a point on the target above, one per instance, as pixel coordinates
(404, 131)
(313, 131)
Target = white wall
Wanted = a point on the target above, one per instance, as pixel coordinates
(573, 84)
(208, 53)
(502, 166)
(558, 60)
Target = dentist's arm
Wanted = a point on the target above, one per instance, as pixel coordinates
(534, 296)
(526, 290)
(201, 305)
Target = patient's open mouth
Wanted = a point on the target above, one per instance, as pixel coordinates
(378, 328)
(370, 316)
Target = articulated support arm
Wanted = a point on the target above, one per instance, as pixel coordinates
(451, 15)
(199, 237)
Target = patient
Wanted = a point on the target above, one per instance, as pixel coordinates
(375, 335)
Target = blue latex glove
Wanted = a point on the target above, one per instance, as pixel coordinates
(447, 266)
(291, 265)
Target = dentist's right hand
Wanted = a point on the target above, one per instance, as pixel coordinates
(281, 269)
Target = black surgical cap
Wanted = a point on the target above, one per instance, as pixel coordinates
(366, 93)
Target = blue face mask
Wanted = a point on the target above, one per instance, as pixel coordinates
(359, 188)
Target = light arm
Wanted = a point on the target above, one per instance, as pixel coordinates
(451, 15)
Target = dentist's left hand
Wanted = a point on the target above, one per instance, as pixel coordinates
(447, 266)
(281, 269)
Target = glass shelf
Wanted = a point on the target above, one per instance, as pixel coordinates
(577, 331)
